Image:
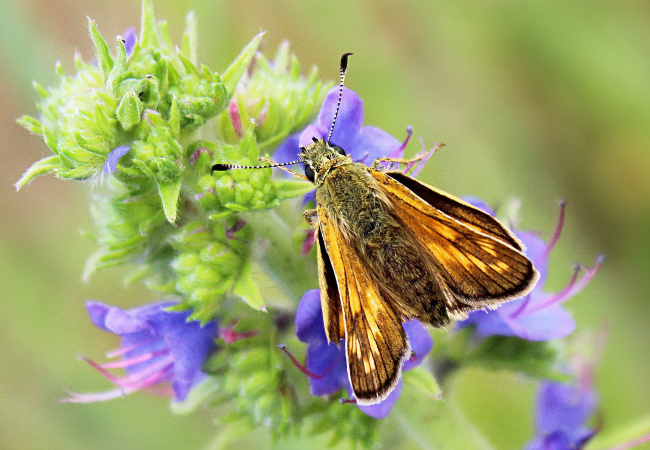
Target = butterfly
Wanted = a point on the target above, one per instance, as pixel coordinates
(391, 248)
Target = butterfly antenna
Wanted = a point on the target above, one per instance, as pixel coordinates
(344, 66)
(224, 167)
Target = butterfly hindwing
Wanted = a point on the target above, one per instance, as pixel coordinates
(376, 344)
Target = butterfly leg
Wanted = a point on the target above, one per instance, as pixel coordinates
(286, 169)
(311, 216)
(424, 155)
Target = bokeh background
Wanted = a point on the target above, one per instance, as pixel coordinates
(536, 99)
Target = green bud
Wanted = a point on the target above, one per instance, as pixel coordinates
(129, 110)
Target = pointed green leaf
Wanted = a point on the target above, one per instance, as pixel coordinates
(148, 32)
(45, 165)
(233, 74)
(246, 288)
(31, 123)
(104, 59)
(115, 76)
(169, 194)
(424, 381)
(190, 41)
(40, 90)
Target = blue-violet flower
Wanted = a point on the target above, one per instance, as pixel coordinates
(161, 352)
(561, 413)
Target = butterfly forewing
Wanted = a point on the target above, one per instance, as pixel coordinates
(477, 256)
(457, 209)
(376, 344)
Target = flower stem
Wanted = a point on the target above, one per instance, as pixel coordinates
(277, 252)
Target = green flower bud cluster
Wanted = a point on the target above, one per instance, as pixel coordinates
(211, 261)
(157, 207)
(273, 99)
(253, 380)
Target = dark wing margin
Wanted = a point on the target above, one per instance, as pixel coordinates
(458, 209)
(329, 294)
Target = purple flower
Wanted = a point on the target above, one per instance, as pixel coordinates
(130, 38)
(562, 411)
(538, 316)
(326, 363)
(113, 158)
(158, 348)
(362, 144)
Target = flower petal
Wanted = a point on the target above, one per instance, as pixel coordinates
(371, 143)
(310, 327)
(114, 319)
(564, 407)
(113, 158)
(288, 150)
(189, 343)
(329, 363)
(350, 118)
(421, 343)
(381, 410)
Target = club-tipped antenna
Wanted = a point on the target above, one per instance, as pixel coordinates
(223, 167)
(344, 66)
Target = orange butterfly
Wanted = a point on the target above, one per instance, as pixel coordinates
(390, 249)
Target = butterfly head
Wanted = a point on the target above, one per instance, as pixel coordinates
(319, 157)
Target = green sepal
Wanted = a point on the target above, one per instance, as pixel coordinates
(103, 54)
(233, 74)
(169, 195)
(45, 165)
(424, 381)
(246, 288)
(148, 34)
(189, 47)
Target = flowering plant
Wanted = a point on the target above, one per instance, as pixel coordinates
(143, 124)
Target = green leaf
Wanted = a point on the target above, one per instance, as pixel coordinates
(104, 59)
(45, 165)
(148, 34)
(424, 381)
(246, 288)
(233, 74)
(169, 194)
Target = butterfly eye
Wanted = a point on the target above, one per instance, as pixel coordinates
(338, 150)
(309, 173)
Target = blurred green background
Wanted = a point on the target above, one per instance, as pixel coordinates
(536, 100)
